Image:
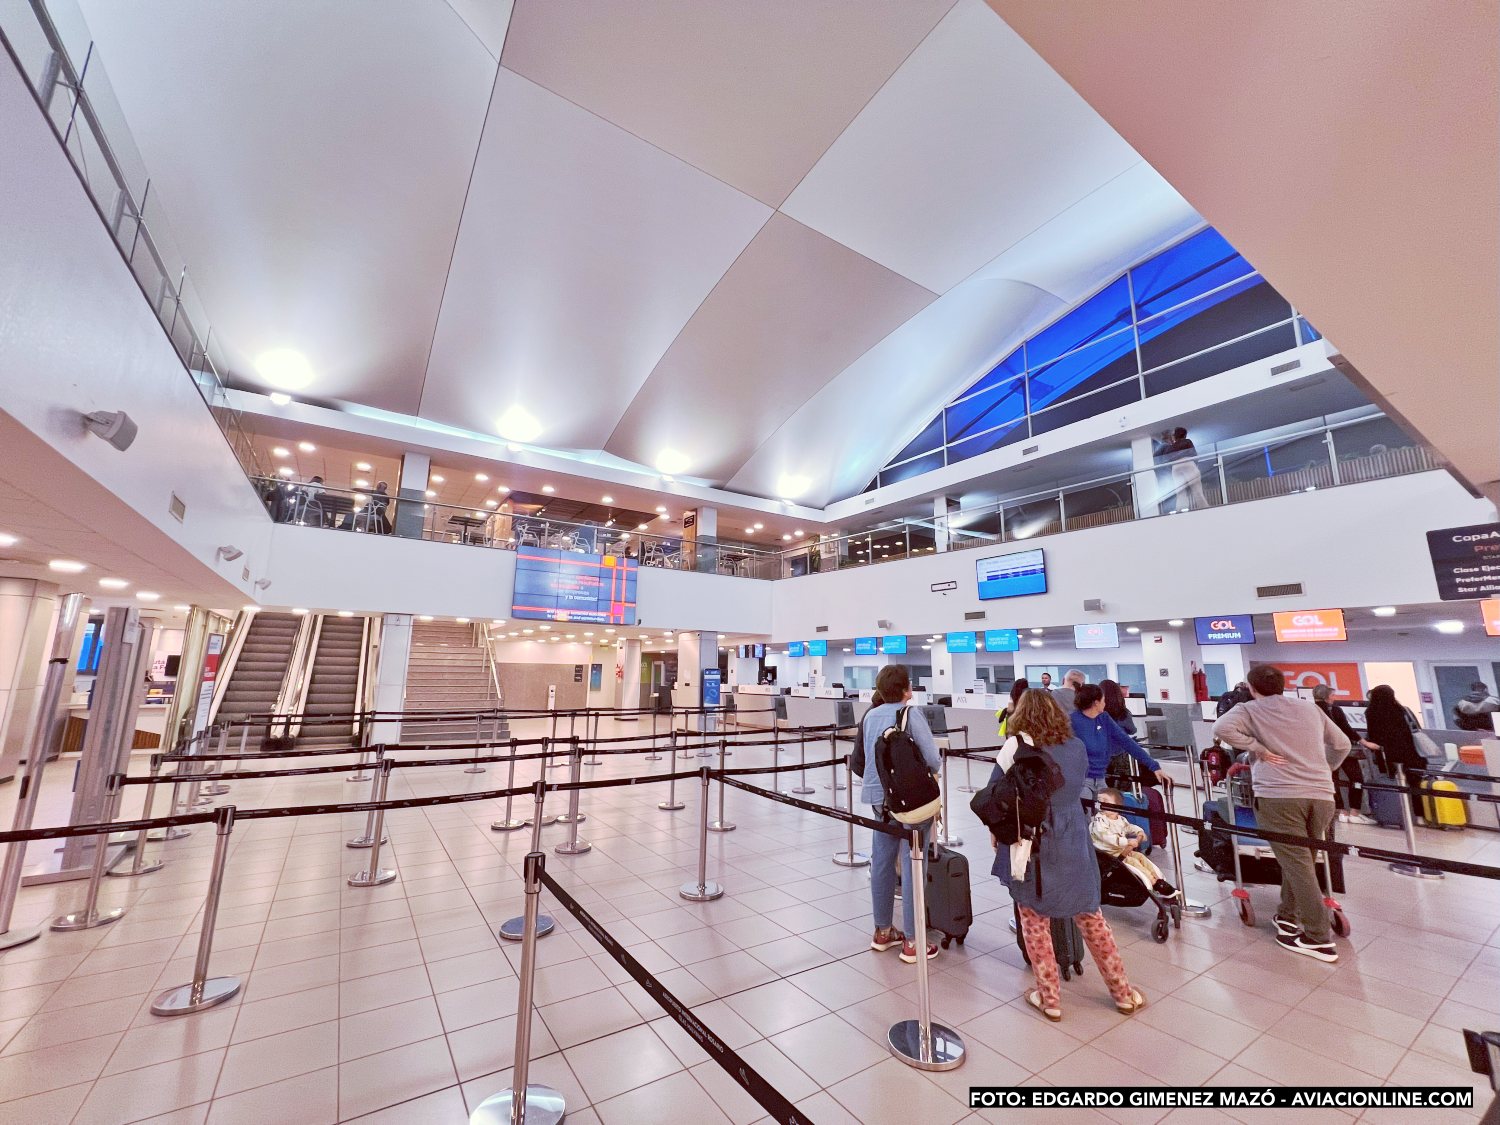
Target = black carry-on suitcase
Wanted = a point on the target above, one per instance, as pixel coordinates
(1067, 944)
(949, 907)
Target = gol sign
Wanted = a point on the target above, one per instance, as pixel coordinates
(1490, 607)
(1311, 625)
(1342, 678)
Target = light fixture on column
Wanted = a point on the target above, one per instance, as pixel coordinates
(262, 583)
(114, 426)
(229, 552)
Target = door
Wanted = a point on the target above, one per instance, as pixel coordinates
(1453, 682)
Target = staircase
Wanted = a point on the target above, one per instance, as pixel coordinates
(255, 682)
(447, 670)
(334, 686)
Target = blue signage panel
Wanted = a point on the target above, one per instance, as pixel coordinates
(893, 646)
(1225, 629)
(711, 685)
(1002, 640)
(796, 648)
(817, 648)
(866, 646)
(962, 642)
(1100, 634)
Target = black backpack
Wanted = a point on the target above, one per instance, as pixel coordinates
(1017, 805)
(911, 791)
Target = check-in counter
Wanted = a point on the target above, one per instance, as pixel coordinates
(977, 711)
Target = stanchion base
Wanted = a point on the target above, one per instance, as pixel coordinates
(181, 1000)
(967, 789)
(157, 836)
(81, 921)
(802, 789)
(358, 777)
(544, 1106)
(591, 762)
(1410, 869)
(216, 790)
(573, 847)
(555, 765)
(564, 818)
(143, 869)
(855, 859)
(670, 806)
(950, 841)
(507, 825)
(653, 757)
(19, 936)
(474, 769)
(546, 820)
(365, 841)
(722, 826)
(705, 892)
(905, 1041)
(1191, 909)
(373, 879)
(514, 929)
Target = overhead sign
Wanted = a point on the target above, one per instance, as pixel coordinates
(1311, 625)
(1466, 561)
(962, 642)
(1490, 607)
(1002, 640)
(796, 648)
(1096, 634)
(893, 646)
(817, 648)
(866, 646)
(1343, 679)
(1225, 629)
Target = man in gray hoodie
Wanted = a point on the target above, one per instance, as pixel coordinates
(1293, 747)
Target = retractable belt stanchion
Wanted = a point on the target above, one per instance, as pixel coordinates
(509, 823)
(671, 804)
(653, 756)
(474, 766)
(90, 916)
(850, 858)
(573, 845)
(204, 991)
(920, 1042)
(550, 743)
(546, 764)
(968, 785)
(594, 743)
(374, 875)
(946, 837)
(802, 786)
(368, 837)
(702, 890)
(688, 753)
(216, 788)
(833, 785)
(1414, 870)
(514, 929)
(1190, 907)
(138, 864)
(364, 754)
(525, 1103)
(722, 825)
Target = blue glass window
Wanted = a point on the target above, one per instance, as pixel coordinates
(1230, 313)
(1187, 270)
(1011, 367)
(929, 439)
(1076, 410)
(912, 468)
(999, 406)
(1103, 314)
(1077, 373)
(984, 443)
(1306, 332)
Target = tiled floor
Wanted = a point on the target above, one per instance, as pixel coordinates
(397, 1004)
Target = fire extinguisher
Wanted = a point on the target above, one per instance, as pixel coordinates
(1200, 683)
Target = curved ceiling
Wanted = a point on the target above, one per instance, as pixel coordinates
(768, 237)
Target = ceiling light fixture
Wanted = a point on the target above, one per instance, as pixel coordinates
(1176, 623)
(759, 526)
(438, 478)
(362, 482)
(188, 608)
(1132, 629)
(492, 503)
(430, 494)
(786, 538)
(147, 595)
(67, 566)
(1036, 644)
(286, 369)
(548, 489)
(502, 488)
(307, 447)
(482, 478)
(424, 617)
(791, 485)
(362, 466)
(113, 583)
(671, 462)
(300, 612)
(281, 451)
(1384, 611)
(346, 613)
(518, 424)
(285, 470)
(1449, 627)
(1036, 632)
(280, 398)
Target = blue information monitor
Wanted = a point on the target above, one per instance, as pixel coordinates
(711, 687)
(817, 648)
(866, 646)
(1225, 629)
(1012, 576)
(893, 646)
(796, 648)
(556, 585)
(962, 642)
(1002, 640)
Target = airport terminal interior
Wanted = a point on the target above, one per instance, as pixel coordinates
(684, 561)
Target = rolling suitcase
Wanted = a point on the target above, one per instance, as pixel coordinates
(1067, 945)
(1385, 804)
(1441, 813)
(1135, 801)
(949, 907)
(1157, 806)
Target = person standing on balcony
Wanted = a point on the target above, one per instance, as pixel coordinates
(1179, 453)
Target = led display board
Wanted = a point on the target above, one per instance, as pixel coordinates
(1096, 634)
(554, 585)
(1225, 629)
(893, 646)
(866, 646)
(1311, 625)
(796, 648)
(1002, 640)
(817, 648)
(1012, 576)
(962, 642)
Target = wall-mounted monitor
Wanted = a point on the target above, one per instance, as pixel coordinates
(1096, 634)
(1012, 576)
(866, 646)
(556, 585)
(1311, 625)
(1225, 629)
(1002, 640)
(893, 646)
(817, 648)
(962, 642)
(796, 648)
(760, 652)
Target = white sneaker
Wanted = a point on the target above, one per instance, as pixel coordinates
(1343, 817)
(1360, 818)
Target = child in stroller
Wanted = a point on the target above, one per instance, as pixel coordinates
(1126, 876)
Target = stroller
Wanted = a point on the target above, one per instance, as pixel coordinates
(1249, 859)
(1119, 886)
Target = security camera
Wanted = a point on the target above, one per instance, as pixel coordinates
(114, 426)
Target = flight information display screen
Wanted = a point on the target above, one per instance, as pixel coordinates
(1012, 576)
(568, 586)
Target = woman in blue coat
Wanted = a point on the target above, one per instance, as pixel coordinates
(1069, 871)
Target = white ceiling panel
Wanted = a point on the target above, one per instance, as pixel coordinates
(583, 252)
(752, 93)
(487, 19)
(794, 310)
(972, 145)
(311, 157)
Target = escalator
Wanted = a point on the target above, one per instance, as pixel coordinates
(259, 668)
(333, 687)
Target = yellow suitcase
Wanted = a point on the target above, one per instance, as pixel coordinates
(1444, 813)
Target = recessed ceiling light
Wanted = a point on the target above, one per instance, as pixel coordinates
(362, 466)
(1176, 623)
(424, 617)
(786, 538)
(1036, 632)
(571, 637)
(187, 608)
(606, 499)
(846, 650)
(461, 620)
(1132, 628)
(286, 369)
(1036, 644)
(280, 398)
(247, 608)
(67, 566)
(437, 478)
(799, 533)
(588, 634)
(641, 526)
(545, 628)
(492, 503)
(300, 612)
(147, 595)
(609, 630)
(113, 583)
(759, 526)
(548, 489)
(661, 508)
(281, 451)
(482, 478)
(518, 424)
(307, 447)
(498, 621)
(285, 470)
(346, 613)
(528, 632)
(749, 531)
(430, 494)
(503, 488)
(1449, 627)
(1384, 611)
(790, 486)
(671, 461)
(362, 483)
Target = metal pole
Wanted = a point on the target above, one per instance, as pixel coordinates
(850, 858)
(552, 741)
(802, 785)
(475, 767)
(1190, 907)
(653, 756)
(833, 785)
(205, 991)
(968, 785)
(948, 838)
(525, 1103)
(368, 838)
(687, 754)
(721, 825)
(573, 845)
(374, 875)
(89, 916)
(702, 890)
(138, 866)
(510, 823)
(594, 744)
(1415, 870)
(920, 1042)
(513, 929)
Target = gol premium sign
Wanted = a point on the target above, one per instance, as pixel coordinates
(1311, 625)
(1466, 561)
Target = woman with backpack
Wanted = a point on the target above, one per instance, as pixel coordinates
(1061, 879)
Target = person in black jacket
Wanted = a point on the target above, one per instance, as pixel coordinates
(1232, 698)
(1388, 736)
(1350, 774)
